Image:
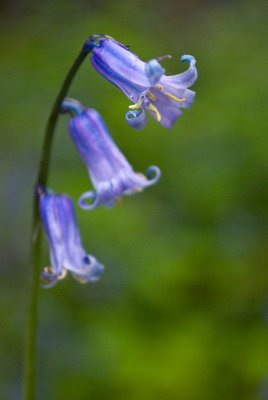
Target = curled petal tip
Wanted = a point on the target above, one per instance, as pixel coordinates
(94, 272)
(137, 119)
(153, 174)
(188, 58)
(48, 278)
(47, 284)
(88, 196)
(96, 269)
(154, 71)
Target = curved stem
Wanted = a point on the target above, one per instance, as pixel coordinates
(42, 177)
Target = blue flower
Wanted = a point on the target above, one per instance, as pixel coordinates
(145, 84)
(66, 250)
(111, 174)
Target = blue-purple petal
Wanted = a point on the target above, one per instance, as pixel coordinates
(154, 71)
(153, 174)
(93, 273)
(89, 200)
(139, 81)
(66, 250)
(121, 67)
(111, 174)
(136, 119)
(186, 78)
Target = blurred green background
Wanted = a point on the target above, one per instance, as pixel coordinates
(181, 311)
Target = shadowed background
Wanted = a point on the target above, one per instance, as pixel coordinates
(181, 310)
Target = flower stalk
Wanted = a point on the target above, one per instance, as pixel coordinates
(29, 380)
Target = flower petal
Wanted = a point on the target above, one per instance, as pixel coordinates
(121, 67)
(186, 78)
(110, 172)
(136, 119)
(93, 273)
(153, 174)
(66, 250)
(153, 70)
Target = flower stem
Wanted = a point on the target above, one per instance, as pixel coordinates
(29, 389)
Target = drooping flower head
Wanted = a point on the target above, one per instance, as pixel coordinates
(66, 250)
(111, 174)
(145, 84)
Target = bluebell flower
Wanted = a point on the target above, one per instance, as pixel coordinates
(145, 84)
(66, 250)
(111, 174)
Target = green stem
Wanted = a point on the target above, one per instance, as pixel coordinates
(42, 177)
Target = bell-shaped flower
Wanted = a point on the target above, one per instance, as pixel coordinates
(66, 250)
(111, 174)
(145, 84)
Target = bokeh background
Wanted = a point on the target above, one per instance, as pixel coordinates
(181, 310)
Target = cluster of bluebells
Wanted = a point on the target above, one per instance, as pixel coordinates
(111, 175)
